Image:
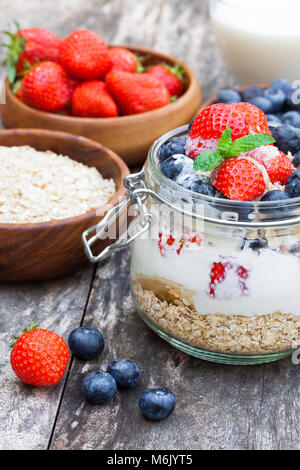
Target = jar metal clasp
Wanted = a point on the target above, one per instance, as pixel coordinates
(134, 184)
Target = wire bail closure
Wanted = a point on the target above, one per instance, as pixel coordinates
(134, 184)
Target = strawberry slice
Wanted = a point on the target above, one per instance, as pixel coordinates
(254, 116)
(278, 165)
(239, 179)
(218, 274)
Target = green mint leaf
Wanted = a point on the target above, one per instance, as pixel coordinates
(225, 141)
(207, 160)
(247, 143)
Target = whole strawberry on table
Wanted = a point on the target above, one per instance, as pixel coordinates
(81, 76)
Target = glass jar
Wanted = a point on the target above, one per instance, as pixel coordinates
(217, 279)
(252, 33)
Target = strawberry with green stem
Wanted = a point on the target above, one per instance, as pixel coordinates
(171, 76)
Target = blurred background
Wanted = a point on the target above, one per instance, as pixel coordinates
(178, 27)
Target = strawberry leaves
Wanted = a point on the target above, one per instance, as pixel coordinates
(208, 160)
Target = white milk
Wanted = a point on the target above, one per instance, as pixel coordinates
(260, 39)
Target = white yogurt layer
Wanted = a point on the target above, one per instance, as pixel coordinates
(272, 284)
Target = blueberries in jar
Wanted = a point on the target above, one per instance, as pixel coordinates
(292, 118)
(173, 166)
(86, 343)
(256, 244)
(228, 96)
(252, 92)
(126, 373)
(287, 138)
(277, 98)
(196, 183)
(172, 147)
(277, 196)
(292, 187)
(274, 195)
(272, 118)
(99, 387)
(283, 84)
(157, 403)
(296, 160)
(262, 103)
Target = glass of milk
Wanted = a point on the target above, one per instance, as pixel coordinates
(260, 39)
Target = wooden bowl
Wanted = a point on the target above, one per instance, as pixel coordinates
(128, 136)
(213, 99)
(53, 249)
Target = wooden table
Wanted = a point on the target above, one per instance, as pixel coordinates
(218, 407)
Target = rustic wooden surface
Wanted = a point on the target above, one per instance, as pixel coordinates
(218, 407)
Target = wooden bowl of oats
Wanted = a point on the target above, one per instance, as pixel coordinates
(53, 186)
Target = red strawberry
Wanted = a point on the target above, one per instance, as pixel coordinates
(136, 92)
(29, 46)
(91, 99)
(123, 59)
(239, 179)
(46, 86)
(170, 76)
(279, 167)
(242, 118)
(220, 270)
(84, 55)
(39, 357)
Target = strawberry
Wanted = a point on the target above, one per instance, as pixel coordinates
(136, 92)
(29, 46)
(84, 55)
(39, 357)
(239, 179)
(278, 165)
(46, 86)
(123, 59)
(170, 76)
(242, 118)
(219, 272)
(91, 99)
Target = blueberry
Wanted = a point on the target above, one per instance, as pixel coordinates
(274, 195)
(157, 403)
(194, 182)
(292, 118)
(86, 343)
(283, 84)
(292, 100)
(295, 249)
(126, 373)
(99, 387)
(296, 160)
(256, 244)
(273, 118)
(262, 103)
(292, 187)
(252, 92)
(277, 98)
(173, 166)
(172, 147)
(287, 138)
(191, 123)
(228, 96)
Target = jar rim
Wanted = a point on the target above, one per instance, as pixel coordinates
(264, 208)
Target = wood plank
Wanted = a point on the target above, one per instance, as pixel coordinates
(27, 414)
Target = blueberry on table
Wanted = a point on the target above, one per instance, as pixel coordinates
(126, 373)
(157, 403)
(99, 387)
(172, 147)
(262, 103)
(86, 343)
(292, 187)
(287, 138)
(292, 118)
(252, 92)
(296, 160)
(277, 98)
(283, 84)
(273, 118)
(173, 166)
(228, 96)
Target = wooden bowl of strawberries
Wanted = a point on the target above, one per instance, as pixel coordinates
(122, 97)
